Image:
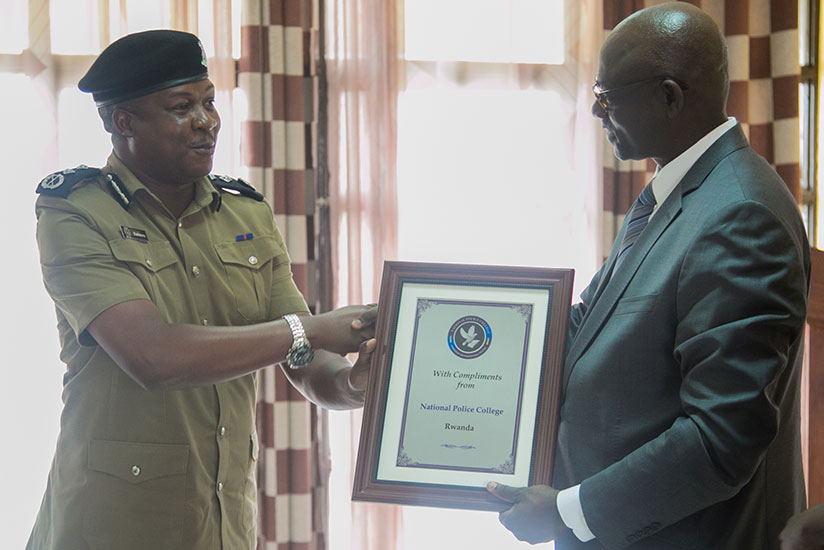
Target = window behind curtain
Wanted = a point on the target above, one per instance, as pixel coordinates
(483, 145)
(809, 107)
(480, 146)
(49, 125)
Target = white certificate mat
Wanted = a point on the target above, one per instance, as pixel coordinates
(454, 416)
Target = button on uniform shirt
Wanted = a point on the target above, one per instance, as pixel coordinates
(138, 469)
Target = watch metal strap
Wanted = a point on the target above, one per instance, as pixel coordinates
(300, 353)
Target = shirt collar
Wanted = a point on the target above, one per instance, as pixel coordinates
(665, 179)
(205, 192)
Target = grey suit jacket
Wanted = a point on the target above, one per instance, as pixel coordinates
(680, 414)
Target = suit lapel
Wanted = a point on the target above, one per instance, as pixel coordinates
(613, 286)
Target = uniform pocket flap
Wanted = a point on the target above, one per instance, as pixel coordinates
(152, 256)
(254, 253)
(137, 462)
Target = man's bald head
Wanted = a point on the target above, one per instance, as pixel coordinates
(662, 82)
(675, 39)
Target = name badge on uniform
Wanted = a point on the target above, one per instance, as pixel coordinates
(134, 234)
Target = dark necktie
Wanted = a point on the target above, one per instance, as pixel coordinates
(638, 218)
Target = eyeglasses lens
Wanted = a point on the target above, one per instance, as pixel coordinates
(600, 96)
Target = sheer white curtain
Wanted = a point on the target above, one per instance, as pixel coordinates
(494, 133)
(364, 44)
(499, 143)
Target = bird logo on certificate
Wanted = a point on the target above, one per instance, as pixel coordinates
(469, 337)
(462, 408)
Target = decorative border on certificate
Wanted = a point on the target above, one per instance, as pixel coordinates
(465, 382)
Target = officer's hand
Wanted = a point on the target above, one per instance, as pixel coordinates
(805, 530)
(533, 516)
(359, 375)
(342, 330)
(367, 319)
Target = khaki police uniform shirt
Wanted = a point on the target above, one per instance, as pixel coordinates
(138, 469)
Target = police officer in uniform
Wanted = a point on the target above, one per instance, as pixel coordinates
(172, 287)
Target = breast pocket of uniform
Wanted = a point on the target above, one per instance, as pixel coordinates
(149, 262)
(250, 268)
(135, 495)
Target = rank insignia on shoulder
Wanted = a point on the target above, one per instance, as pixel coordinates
(235, 186)
(61, 183)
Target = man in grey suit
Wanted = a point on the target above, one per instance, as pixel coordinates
(679, 421)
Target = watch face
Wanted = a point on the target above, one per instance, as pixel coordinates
(300, 355)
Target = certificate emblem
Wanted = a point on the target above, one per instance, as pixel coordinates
(469, 337)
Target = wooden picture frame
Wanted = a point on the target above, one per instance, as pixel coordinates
(465, 383)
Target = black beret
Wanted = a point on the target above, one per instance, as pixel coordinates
(142, 63)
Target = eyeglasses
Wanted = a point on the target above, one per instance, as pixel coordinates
(603, 100)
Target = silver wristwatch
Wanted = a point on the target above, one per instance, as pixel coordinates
(300, 354)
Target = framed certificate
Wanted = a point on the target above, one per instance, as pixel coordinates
(465, 383)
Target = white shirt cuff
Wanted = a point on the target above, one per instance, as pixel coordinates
(569, 508)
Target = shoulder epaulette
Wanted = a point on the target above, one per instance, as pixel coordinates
(60, 184)
(236, 186)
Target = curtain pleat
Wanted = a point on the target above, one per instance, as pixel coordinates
(364, 54)
(277, 73)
